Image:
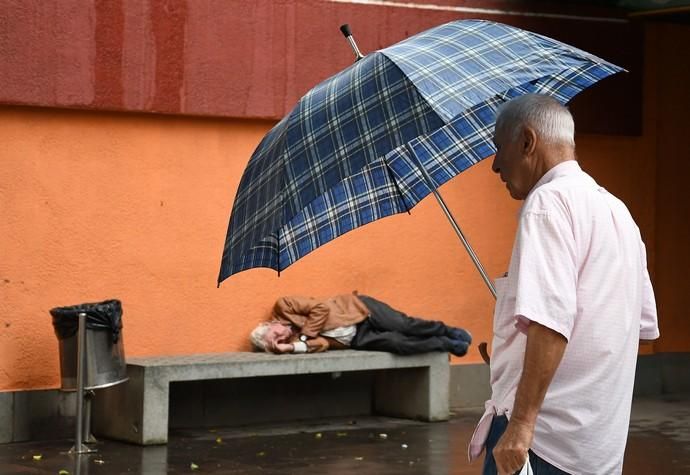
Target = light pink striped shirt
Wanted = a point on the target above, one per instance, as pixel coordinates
(578, 267)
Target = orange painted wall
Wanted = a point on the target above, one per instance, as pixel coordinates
(135, 207)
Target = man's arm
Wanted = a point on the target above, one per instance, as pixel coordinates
(543, 354)
(307, 313)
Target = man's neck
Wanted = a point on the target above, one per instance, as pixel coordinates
(549, 156)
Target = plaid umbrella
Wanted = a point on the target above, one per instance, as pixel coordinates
(381, 135)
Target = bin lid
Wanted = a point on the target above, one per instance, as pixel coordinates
(103, 316)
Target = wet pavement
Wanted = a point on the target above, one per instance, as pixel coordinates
(659, 444)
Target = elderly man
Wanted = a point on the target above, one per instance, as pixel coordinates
(569, 313)
(306, 324)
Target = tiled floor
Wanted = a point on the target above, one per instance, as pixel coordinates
(659, 444)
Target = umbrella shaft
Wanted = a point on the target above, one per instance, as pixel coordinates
(454, 224)
(463, 239)
(358, 53)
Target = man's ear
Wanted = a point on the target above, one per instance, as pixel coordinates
(529, 140)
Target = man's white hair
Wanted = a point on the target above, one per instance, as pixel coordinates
(550, 119)
(258, 336)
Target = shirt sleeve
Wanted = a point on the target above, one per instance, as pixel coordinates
(649, 327)
(546, 287)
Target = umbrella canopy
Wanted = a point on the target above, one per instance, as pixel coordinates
(350, 151)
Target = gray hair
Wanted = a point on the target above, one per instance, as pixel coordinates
(550, 119)
(258, 336)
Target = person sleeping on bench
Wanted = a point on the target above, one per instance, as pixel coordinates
(309, 325)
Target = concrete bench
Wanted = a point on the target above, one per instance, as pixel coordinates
(415, 387)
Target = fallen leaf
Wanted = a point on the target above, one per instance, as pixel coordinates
(260, 454)
(193, 466)
(341, 434)
(99, 461)
(359, 458)
(404, 446)
(318, 435)
(219, 440)
(383, 436)
(63, 472)
(38, 457)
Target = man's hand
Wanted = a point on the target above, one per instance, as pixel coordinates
(543, 354)
(510, 452)
(282, 347)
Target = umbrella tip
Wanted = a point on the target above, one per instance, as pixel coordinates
(347, 33)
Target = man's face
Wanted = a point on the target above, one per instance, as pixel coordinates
(511, 163)
(277, 333)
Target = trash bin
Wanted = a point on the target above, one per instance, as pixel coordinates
(105, 355)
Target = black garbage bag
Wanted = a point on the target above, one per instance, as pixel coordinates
(106, 315)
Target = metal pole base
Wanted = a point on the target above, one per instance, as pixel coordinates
(82, 450)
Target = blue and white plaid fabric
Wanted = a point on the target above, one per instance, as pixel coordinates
(349, 152)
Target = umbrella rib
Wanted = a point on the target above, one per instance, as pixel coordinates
(278, 246)
(397, 186)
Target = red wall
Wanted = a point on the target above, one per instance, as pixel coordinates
(253, 58)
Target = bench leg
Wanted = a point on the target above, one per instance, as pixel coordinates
(415, 393)
(135, 411)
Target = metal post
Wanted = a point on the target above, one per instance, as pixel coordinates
(79, 447)
(88, 436)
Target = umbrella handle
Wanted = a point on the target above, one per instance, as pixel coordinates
(484, 352)
(347, 33)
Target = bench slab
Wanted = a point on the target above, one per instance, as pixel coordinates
(415, 387)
